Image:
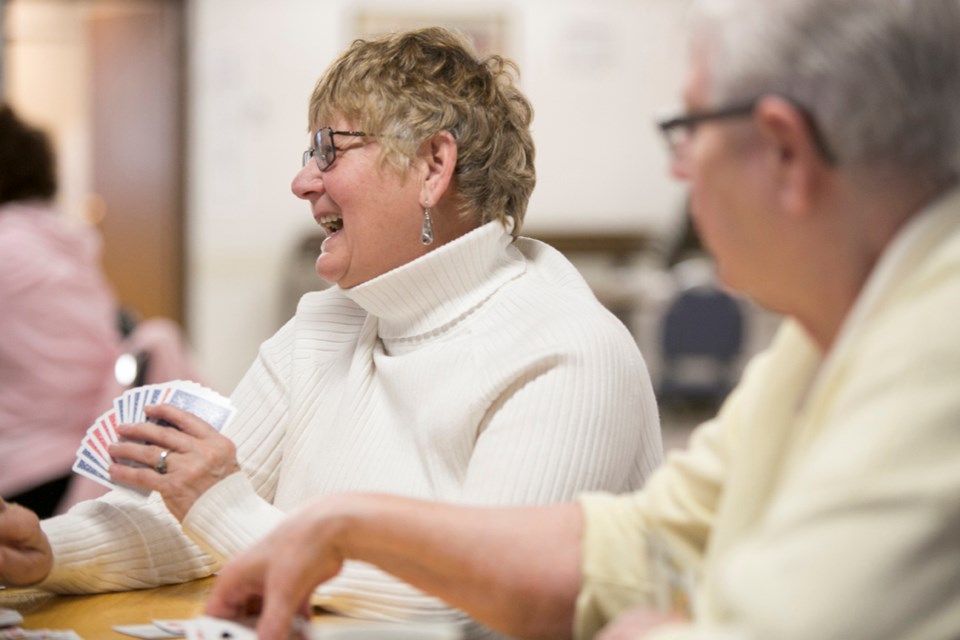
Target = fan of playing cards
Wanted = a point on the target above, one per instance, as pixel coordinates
(93, 457)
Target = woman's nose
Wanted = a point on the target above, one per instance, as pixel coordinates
(307, 181)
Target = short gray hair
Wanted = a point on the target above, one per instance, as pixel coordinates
(881, 78)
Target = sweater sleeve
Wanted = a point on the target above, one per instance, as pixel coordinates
(676, 511)
(125, 541)
(861, 541)
(118, 542)
(238, 511)
(678, 503)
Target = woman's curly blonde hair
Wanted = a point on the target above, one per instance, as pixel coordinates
(408, 86)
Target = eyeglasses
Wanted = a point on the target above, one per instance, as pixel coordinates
(322, 148)
(678, 130)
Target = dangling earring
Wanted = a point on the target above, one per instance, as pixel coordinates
(426, 233)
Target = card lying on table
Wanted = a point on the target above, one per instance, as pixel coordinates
(93, 456)
(207, 628)
(9, 617)
(16, 633)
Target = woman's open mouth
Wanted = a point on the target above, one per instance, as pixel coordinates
(331, 223)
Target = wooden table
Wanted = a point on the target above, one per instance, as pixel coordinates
(94, 616)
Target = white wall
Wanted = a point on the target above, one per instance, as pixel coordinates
(597, 72)
(45, 70)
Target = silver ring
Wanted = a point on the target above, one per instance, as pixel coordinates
(161, 466)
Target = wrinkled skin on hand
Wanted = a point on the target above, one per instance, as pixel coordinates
(199, 457)
(25, 554)
(277, 576)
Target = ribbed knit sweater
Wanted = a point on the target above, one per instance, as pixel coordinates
(485, 372)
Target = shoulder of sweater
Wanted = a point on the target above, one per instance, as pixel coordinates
(548, 263)
(916, 314)
(556, 294)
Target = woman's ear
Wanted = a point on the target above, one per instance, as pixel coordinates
(439, 156)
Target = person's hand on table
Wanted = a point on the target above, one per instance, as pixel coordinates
(634, 624)
(276, 577)
(180, 464)
(25, 554)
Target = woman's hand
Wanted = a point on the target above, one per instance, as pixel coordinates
(276, 576)
(25, 554)
(197, 457)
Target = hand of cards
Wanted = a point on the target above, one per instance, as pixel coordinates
(93, 456)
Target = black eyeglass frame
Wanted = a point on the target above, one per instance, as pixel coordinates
(689, 122)
(319, 151)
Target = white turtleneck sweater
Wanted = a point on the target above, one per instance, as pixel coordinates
(485, 372)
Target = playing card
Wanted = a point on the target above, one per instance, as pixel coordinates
(375, 630)
(107, 423)
(16, 633)
(93, 456)
(146, 631)
(98, 439)
(133, 407)
(87, 470)
(157, 394)
(96, 443)
(203, 405)
(120, 406)
(9, 617)
(207, 628)
(177, 627)
(90, 458)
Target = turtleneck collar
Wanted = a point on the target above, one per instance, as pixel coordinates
(426, 296)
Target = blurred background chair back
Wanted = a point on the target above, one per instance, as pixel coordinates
(701, 341)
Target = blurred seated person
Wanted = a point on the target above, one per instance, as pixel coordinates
(58, 325)
(59, 331)
(451, 359)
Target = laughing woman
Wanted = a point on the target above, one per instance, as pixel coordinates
(453, 359)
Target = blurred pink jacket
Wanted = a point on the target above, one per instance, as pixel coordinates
(58, 343)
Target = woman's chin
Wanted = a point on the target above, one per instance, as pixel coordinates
(328, 269)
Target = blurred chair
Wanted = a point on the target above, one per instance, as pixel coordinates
(701, 341)
(131, 368)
